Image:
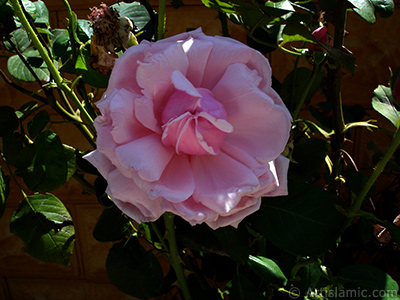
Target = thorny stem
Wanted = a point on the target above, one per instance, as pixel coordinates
(53, 70)
(357, 203)
(173, 251)
(334, 91)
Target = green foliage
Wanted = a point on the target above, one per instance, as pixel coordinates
(369, 280)
(134, 270)
(17, 67)
(308, 215)
(367, 9)
(38, 123)
(111, 226)
(309, 155)
(384, 103)
(4, 190)
(242, 288)
(45, 226)
(268, 270)
(47, 169)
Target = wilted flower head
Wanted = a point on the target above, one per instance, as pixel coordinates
(110, 33)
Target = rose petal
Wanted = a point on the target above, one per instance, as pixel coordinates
(246, 207)
(163, 64)
(244, 158)
(125, 125)
(261, 128)
(197, 52)
(184, 99)
(131, 200)
(144, 113)
(100, 162)
(176, 183)
(147, 155)
(194, 212)
(123, 76)
(281, 164)
(221, 181)
(105, 142)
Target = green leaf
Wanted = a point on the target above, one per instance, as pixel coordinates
(86, 28)
(133, 270)
(295, 84)
(42, 13)
(309, 276)
(4, 190)
(314, 127)
(345, 59)
(383, 103)
(30, 8)
(89, 75)
(26, 110)
(306, 222)
(219, 5)
(295, 31)
(8, 120)
(71, 161)
(136, 12)
(241, 288)
(366, 9)
(45, 226)
(49, 170)
(17, 68)
(61, 42)
(369, 280)
(111, 226)
(268, 270)
(38, 123)
(309, 155)
(234, 241)
(20, 39)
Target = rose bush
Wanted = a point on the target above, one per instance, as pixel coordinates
(191, 125)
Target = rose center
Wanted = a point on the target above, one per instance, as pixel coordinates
(194, 123)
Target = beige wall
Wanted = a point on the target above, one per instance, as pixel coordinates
(377, 47)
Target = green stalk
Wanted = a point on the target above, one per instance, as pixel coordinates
(356, 206)
(305, 93)
(161, 19)
(53, 70)
(173, 251)
(334, 95)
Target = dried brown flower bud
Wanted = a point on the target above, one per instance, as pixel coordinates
(111, 33)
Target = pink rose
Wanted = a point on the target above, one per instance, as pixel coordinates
(191, 125)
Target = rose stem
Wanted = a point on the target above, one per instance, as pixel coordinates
(161, 19)
(173, 251)
(61, 83)
(356, 206)
(334, 90)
